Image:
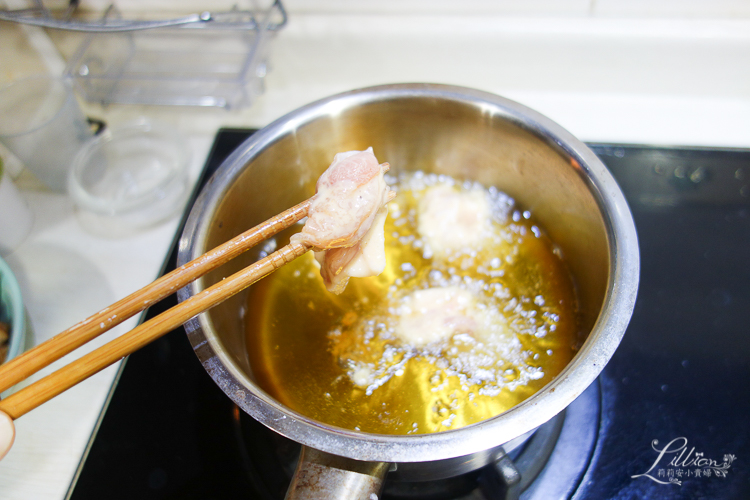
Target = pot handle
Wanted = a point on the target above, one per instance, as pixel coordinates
(322, 476)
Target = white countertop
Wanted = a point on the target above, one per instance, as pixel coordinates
(680, 82)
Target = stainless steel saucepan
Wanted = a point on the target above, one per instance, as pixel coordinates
(461, 132)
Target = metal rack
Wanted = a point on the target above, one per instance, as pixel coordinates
(40, 16)
(208, 59)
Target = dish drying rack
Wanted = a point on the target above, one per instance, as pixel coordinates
(214, 59)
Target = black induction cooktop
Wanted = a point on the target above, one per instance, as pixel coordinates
(671, 409)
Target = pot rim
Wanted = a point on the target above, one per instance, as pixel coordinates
(554, 397)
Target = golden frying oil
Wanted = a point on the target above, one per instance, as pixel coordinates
(336, 358)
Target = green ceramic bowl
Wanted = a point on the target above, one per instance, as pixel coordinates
(12, 311)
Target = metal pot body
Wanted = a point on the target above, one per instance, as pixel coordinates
(466, 134)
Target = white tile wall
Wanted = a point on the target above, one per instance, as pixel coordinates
(495, 7)
(531, 8)
(673, 8)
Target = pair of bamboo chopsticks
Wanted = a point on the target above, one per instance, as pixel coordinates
(30, 362)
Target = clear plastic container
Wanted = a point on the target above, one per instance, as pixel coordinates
(41, 123)
(130, 178)
(16, 217)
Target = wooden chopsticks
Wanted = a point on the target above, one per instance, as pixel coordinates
(42, 355)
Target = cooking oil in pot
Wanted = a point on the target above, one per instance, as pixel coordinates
(474, 313)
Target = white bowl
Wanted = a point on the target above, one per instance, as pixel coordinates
(130, 178)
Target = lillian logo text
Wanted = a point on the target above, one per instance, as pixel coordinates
(674, 463)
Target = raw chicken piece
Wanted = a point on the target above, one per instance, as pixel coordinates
(346, 217)
(450, 219)
(435, 314)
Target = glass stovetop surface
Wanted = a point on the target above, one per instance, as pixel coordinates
(680, 375)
